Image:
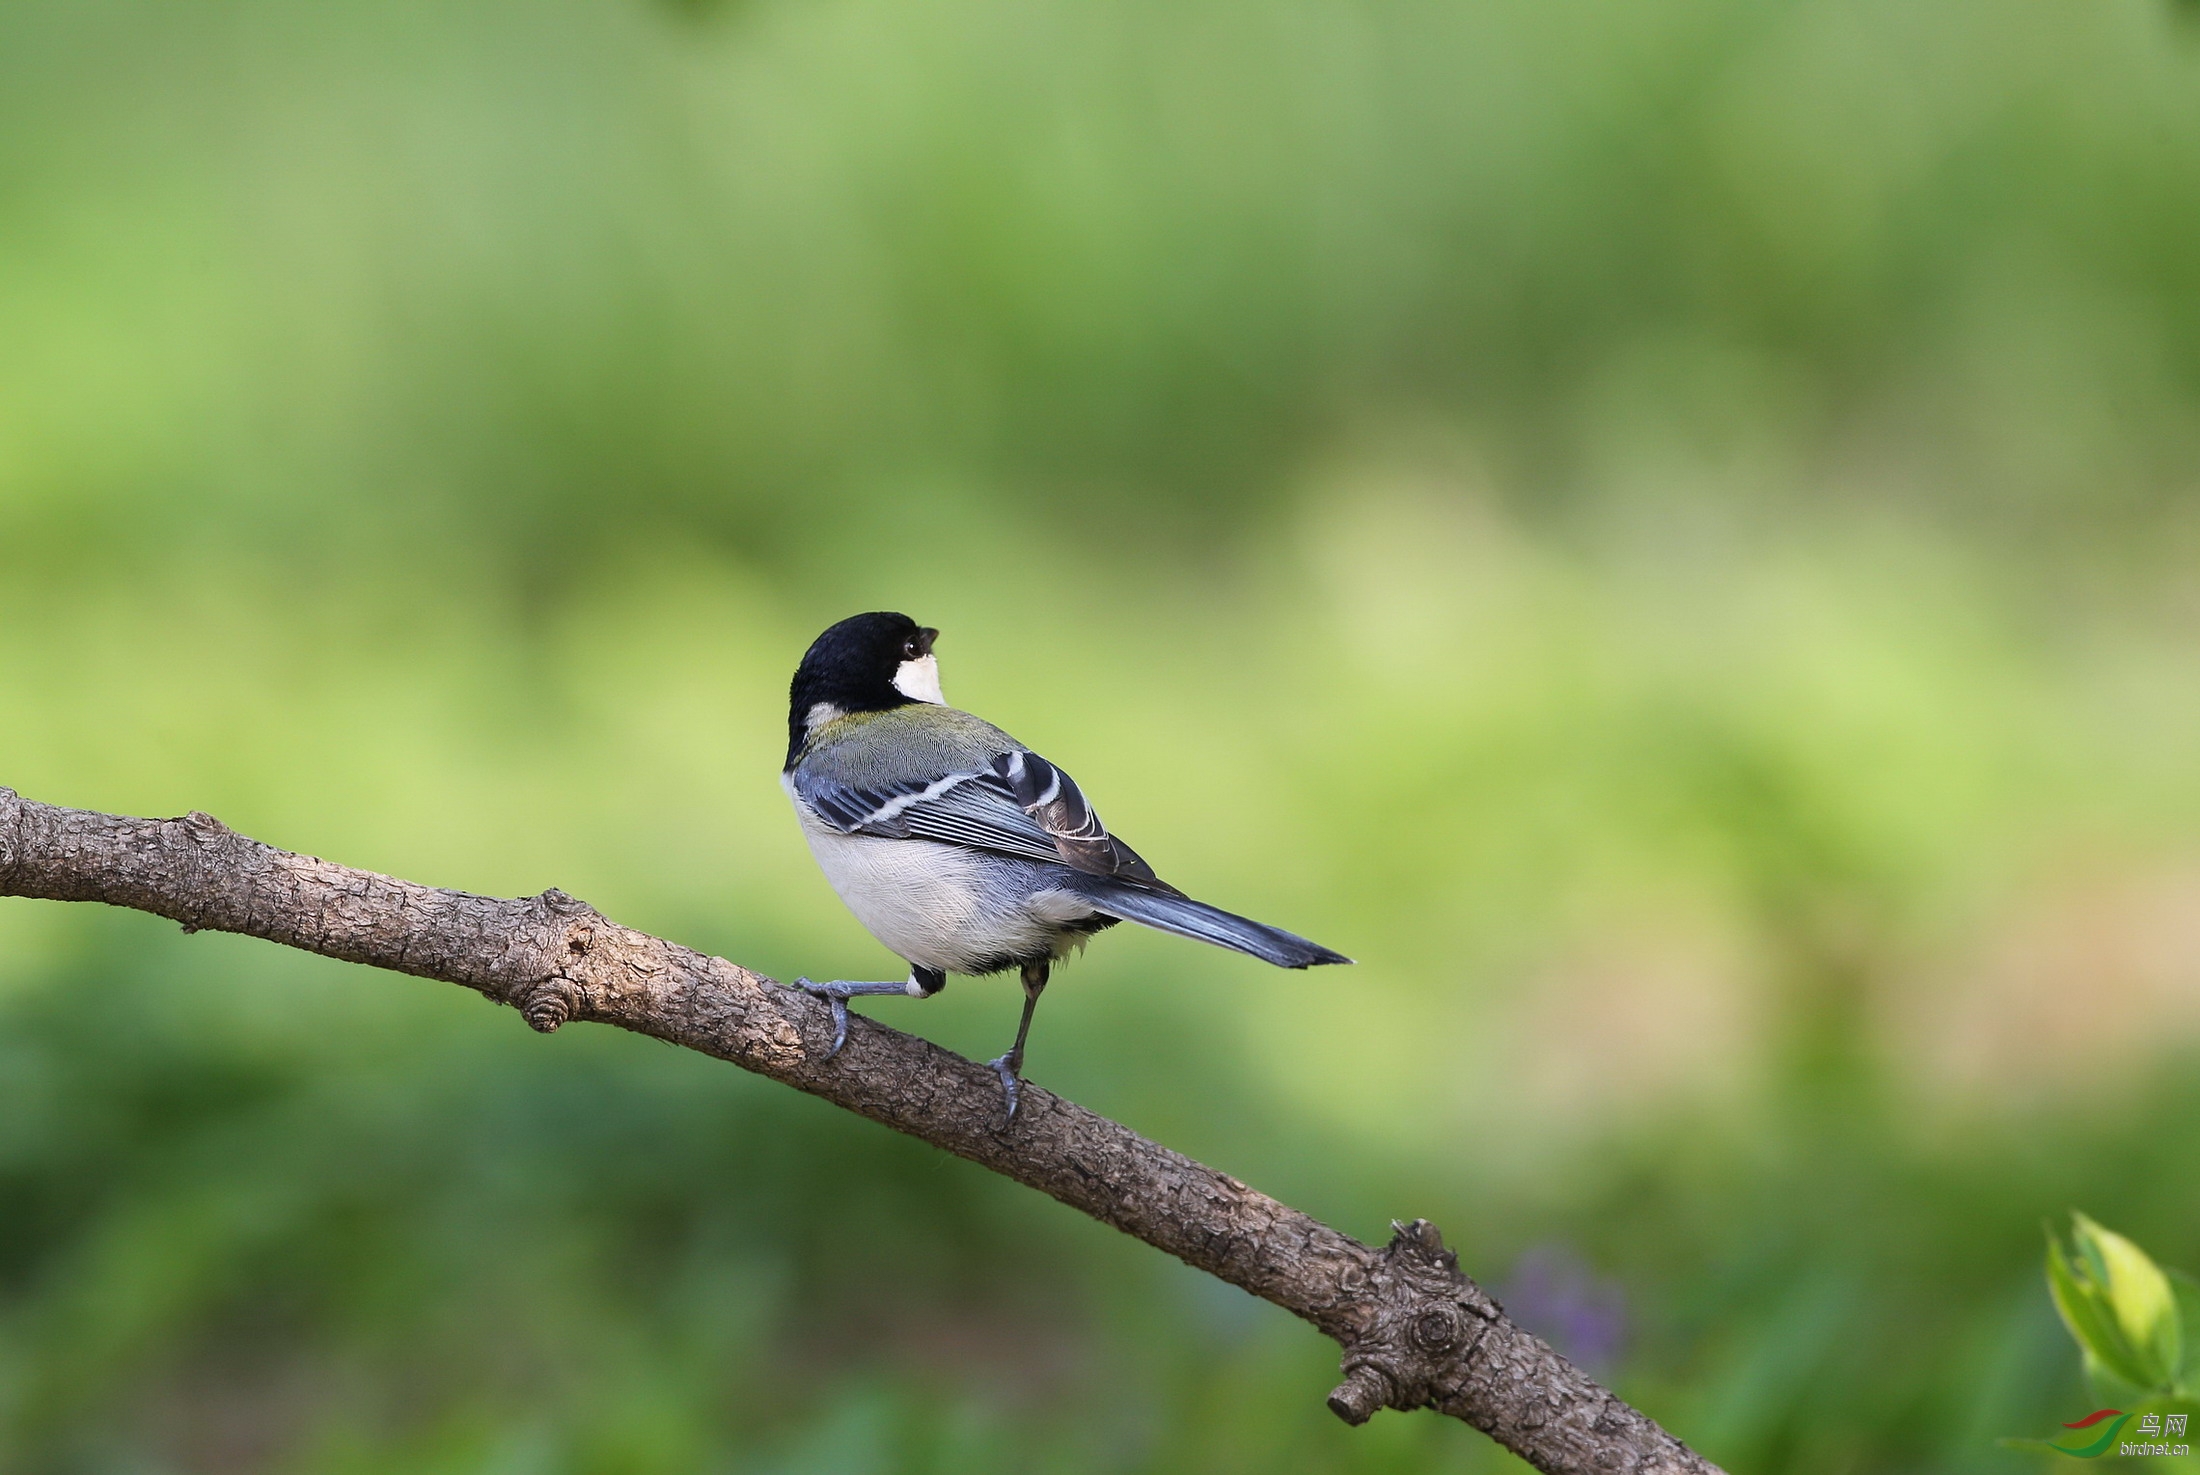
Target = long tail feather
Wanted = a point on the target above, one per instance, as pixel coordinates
(1203, 923)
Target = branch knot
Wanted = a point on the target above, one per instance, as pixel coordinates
(558, 903)
(556, 998)
(1420, 1323)
(549, 1004)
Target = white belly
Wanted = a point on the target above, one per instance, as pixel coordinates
(941, 906)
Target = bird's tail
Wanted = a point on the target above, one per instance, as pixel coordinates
(1201, 922)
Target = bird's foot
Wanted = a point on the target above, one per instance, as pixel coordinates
(1006, 1066)
(838, 994)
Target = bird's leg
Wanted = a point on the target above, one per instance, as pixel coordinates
(922, 983)
(1010, 1067)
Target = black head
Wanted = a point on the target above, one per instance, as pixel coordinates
(854, 666)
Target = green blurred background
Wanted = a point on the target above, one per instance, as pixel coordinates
(1668, 531)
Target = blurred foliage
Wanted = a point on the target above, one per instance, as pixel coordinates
(2119, 1307)
(2131, 1326)
(1665, 531)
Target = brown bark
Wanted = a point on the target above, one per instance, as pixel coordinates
(1415, 1332)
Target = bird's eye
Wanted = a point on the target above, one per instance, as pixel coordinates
(909, 651)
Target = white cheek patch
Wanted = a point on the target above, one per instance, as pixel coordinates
(919, 680)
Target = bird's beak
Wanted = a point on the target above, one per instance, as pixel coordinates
(925, 636)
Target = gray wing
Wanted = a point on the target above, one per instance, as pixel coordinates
(1019, 805)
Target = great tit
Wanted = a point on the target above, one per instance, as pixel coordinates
(957, 846)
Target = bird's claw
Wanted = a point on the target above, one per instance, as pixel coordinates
(839, 1001)
(1004, 1067)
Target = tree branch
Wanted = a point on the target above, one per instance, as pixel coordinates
(1415, 1332)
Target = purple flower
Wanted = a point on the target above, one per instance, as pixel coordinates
(1553, 1292)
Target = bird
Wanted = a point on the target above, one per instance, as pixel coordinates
(955, 845)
